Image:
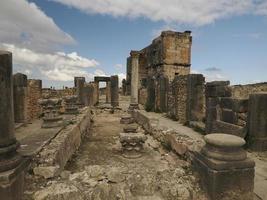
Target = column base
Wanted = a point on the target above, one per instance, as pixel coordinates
(133, 106)
(225, 180)
(12, 182)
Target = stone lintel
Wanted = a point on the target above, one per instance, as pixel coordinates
(102, 79)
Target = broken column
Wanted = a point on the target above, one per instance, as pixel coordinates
(51, 118)
(71, 105)
(134, 80)
(12, 165)
(257, 122)
(224, 168)
(114, 90)
(80, 81)
(132, 142)
(127, 119)
(20, 97)
(124, 89)
(108, 92)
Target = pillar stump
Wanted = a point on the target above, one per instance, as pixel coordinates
(114, 90)
(132, 142)
(20, 97)
(257, 122)
(51, 118)
(71, 105)
(108, 92)
(127, 119)
(12, 165)
(224, 169)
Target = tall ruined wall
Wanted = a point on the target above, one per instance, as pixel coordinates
(34, 94)
(169, 54)
(243, 91)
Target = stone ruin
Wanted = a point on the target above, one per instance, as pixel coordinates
(132, 141)
(51, 117)
(158, 79)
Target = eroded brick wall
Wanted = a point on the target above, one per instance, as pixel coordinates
(180, 98)
(34, 94)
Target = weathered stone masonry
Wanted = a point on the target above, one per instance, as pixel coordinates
(20, 97)
(34, 94)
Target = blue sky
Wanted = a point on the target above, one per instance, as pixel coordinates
(95, 37)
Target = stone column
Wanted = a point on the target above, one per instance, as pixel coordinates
(114, 87)
(124, 87)
(134, 79)
(20, 97)
(80, 85)
(257, 122)
(108, 93)
(11, 164)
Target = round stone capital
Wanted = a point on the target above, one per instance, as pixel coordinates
(224, 140)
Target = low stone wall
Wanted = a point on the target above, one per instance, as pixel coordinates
(53, 157)
(243, 91)
(182, 140)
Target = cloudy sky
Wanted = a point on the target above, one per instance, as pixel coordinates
(55, 40)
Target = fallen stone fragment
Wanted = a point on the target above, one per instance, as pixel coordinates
(47, 171)
(58, 191)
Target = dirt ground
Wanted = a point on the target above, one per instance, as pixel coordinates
(98, 171)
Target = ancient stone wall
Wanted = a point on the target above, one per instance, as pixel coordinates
(196, 98)
(180, 101)
(58, 93)
(224, 113)
(243, 91)
(34, 94)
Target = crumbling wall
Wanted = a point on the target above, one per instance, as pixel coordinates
(224, 114)
(243, 91)
(34, 94)
(196, 98)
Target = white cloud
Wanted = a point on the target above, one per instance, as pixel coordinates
(195, 12)
(121, 77)
(55, 67)
(25, 25)
(212, 74)
(118, 66)
(99, 72)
